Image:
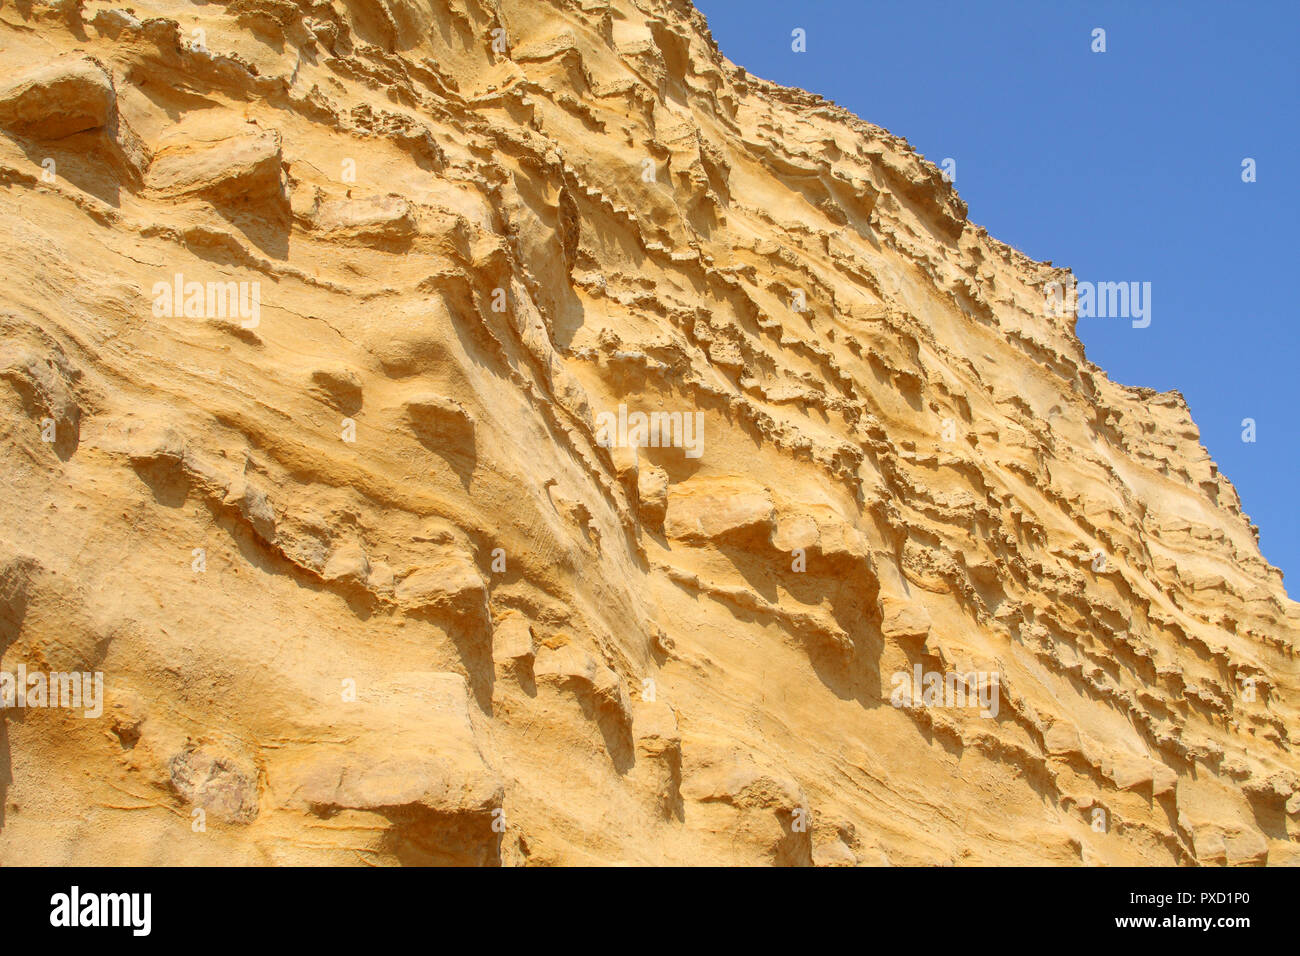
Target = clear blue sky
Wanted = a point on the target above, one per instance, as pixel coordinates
(1123, 165)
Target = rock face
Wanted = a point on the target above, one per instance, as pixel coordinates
(507, 432)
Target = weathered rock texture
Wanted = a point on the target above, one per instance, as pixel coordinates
(363, 584)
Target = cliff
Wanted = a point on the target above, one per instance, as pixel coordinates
(332, 340)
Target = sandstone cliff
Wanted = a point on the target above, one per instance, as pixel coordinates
(315, 322)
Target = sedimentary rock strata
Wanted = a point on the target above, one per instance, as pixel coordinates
(312, 313)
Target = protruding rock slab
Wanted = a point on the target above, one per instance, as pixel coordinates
(56, 100)
(406, 749)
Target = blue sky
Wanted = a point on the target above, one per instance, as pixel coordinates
(1122, 165)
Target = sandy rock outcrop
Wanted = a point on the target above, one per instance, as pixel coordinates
(511, 433)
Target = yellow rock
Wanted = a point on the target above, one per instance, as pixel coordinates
(365, 585)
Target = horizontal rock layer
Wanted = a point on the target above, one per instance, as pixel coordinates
(508, 432)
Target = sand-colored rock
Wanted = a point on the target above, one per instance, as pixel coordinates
(310, 338)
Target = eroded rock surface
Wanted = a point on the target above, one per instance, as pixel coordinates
(350, 364)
